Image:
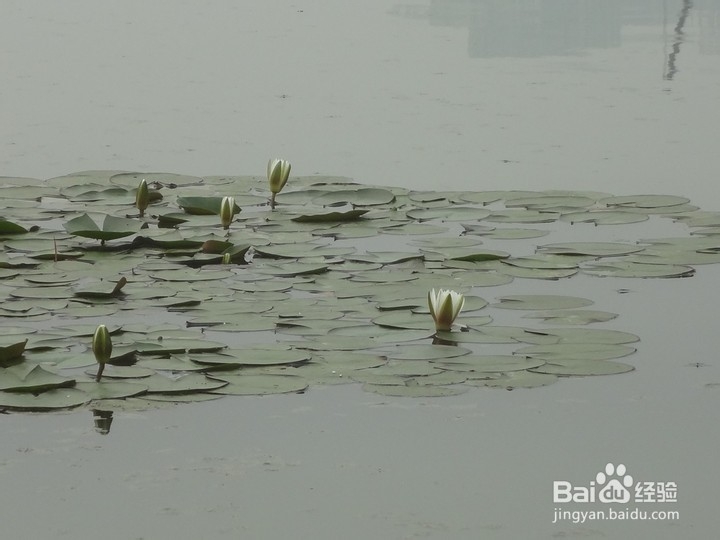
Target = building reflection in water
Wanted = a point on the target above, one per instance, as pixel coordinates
(534, 28)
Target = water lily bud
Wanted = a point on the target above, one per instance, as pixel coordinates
(102, 348)
(142, 199)
(444, 307)
(227, 210)
(278, 172)
(226, 258)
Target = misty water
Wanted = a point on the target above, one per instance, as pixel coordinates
(619, 97)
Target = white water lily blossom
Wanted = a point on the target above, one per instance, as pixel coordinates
(278, 172)
(445, 305)
(227, 210)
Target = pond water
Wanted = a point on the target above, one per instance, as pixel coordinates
(613, 96)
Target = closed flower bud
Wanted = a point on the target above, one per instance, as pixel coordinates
(142, 198)
(227, 210)
(444, 307)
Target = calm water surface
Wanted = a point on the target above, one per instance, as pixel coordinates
(611, 96)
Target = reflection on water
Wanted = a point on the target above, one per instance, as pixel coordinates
(534, 28)
(679, 37)
(102, 421)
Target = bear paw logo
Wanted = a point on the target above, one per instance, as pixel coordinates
(614, 484)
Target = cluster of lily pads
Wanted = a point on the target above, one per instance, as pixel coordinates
(223, 285)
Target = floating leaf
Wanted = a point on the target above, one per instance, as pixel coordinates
(572, 316)
(644, 201)
(541, 301)
(595, 249)
(637, 270)
(257, 385)
(8, 227)
(188, 383)
(60, 398)
(111, 389)
(412, 390)
(31, 379)
(10, 354)
(203, 206)
(576, 351)
(488, 363)
(516, 379)
(112, 227)
(581, 368)
(325, 217)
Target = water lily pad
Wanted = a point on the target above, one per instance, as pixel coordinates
(11, 352)
(412, 390)
(185, 384)
(541, 301)
(450, 213)
(356, 197)
(112, 227)
(106, 389)
(258, 357)
(325, 217)
(576, 351)
(596, 249)
(425, 352)
(203, 206)
(572, 316)
(605, 217)
(637, 270)
(581, 368)
(644, 201)
(31, 379)
(516, 379)
(59, 398)
(257, 385)
(488, 363)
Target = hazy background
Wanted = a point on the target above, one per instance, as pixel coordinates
(456, 93)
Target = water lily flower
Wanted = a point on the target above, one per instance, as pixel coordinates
(142, 198)
(445, 305)
(227, 210)
(278, 172)
(102, 348)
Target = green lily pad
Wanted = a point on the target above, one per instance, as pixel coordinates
(31, 379)
(106, 389)
(12, 352)
(112, 227)
(516, 379)
(356, 197)
(488, 363)
(325, 217)
(576, 351)
(257, 385)
(572, 316)
(412, 390)
(595, 249)
(637, 270)
(259, 357)
(59, 398)
(186, 384)
(644, 201)
(541, 301)
(203, 206)
(581, 368)
(425, 352)
(8, 227)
